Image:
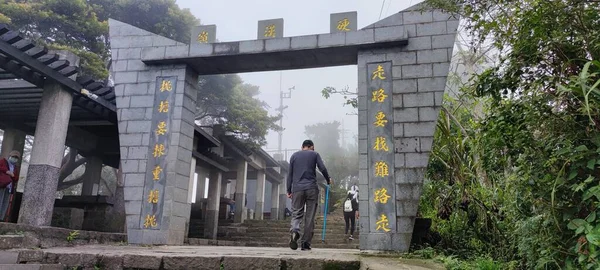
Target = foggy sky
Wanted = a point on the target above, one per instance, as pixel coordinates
(237, 20)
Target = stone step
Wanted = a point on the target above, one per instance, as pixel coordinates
(260, 235)
(258, 243)
(11, 241)
(279, 240)
(32, 267)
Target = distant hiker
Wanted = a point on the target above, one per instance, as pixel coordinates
(351, 212)
(9, 175)
(302, 188)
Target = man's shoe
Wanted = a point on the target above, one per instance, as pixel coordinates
(350, 238)
(294, 236)
(306, 246)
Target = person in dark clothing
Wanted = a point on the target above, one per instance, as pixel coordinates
(302, 188)
(350, 213)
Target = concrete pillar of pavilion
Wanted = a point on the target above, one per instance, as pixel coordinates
(13, 140)
(240, 191)
(282, 199)
(93, 175)
(201, 183)
(260, 195)
(211, 224)
(47, 152)
(275, 201)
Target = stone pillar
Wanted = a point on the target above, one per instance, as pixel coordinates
(192, 179)
(47, 152)
(282, 199)
(240, 191)
(224, 183)
(92, 176)
(275, 201)
(155, 109)
(13, 140)
(403, 115)
(211, 224)
(260, 195)
(201, 183)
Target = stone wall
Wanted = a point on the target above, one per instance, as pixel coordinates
(419, 72)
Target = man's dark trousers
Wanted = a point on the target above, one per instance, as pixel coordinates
(299, 200)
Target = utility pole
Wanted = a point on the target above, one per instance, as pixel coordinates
(282, 95)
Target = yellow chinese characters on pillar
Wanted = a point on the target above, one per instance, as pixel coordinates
(163, 107)
(381, 144)
(166, 85)
(161, 128)
(381, 169)
(156, 173)
(380, 120)
(381, 195)
(383, 224)
(159, 150)
(379, 96)
(153, 196)
(150, 221)
(270, 31)
(343, 25)
(379, 73)
(203, 37)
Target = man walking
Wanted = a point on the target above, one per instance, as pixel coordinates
(302, 188)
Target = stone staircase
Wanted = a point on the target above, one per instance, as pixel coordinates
(271, 233)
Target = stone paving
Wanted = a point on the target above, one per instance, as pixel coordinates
(206, 257)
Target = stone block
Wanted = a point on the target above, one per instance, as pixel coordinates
(452, 26)
(393, 33)
(362, 119)
(130, 166)
(331, 40)
(142, 261)
(401, 241)
(405, 86)
(135, 65)
(158, 41)
(130, 139)
(426, 144)
(146, 76)
(407, 145)
(398, 130)
(119, 66)
(376, 241)
(201, 50)
(145, 139)
(443, 41)
(176, 51)
(142, 102)
(419, 43)
(417, 160)
(278, 44)
(135, 179)
(362, 129)
(402, 58)
(406, 209)
(397, 72)
(130, 53)
(410, 175)
(140, 152)
(432, 56)
(136, 89)
(226, 48)
(405, 224)
(363, 177)
(125, 77)
(428, 114)
(270, 29)
(414, 17)
(406, 115)
(418, 100)
(252, 46)
(365, 58)
(360, 37)
(441, 70)
(399, 160)
(439, 15)
(439, 98)
(425, 129)
(119, 90)
(417, 71)
(431, 29)
(122, 102)
(195, 262)
(363, 162)
(304, 42)
(133, 206)
(408, 192)
(363, 146)
(255, 263)
(343, 22)
(435, 84)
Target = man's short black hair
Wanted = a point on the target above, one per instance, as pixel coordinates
(307, 143)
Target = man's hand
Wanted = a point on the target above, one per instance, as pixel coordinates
(10, 173)
(357, 215)
(289, 195)
(330, 181)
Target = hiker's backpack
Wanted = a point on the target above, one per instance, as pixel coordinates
(348, 205)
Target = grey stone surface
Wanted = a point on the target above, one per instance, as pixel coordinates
(38, 203)
(252, 46)
(390, 33)
(330, 40)
(278, 44)
(268, 29)
(362, 36)
(343, 22)
(13, 139)
(304, 42)
(203, 34)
